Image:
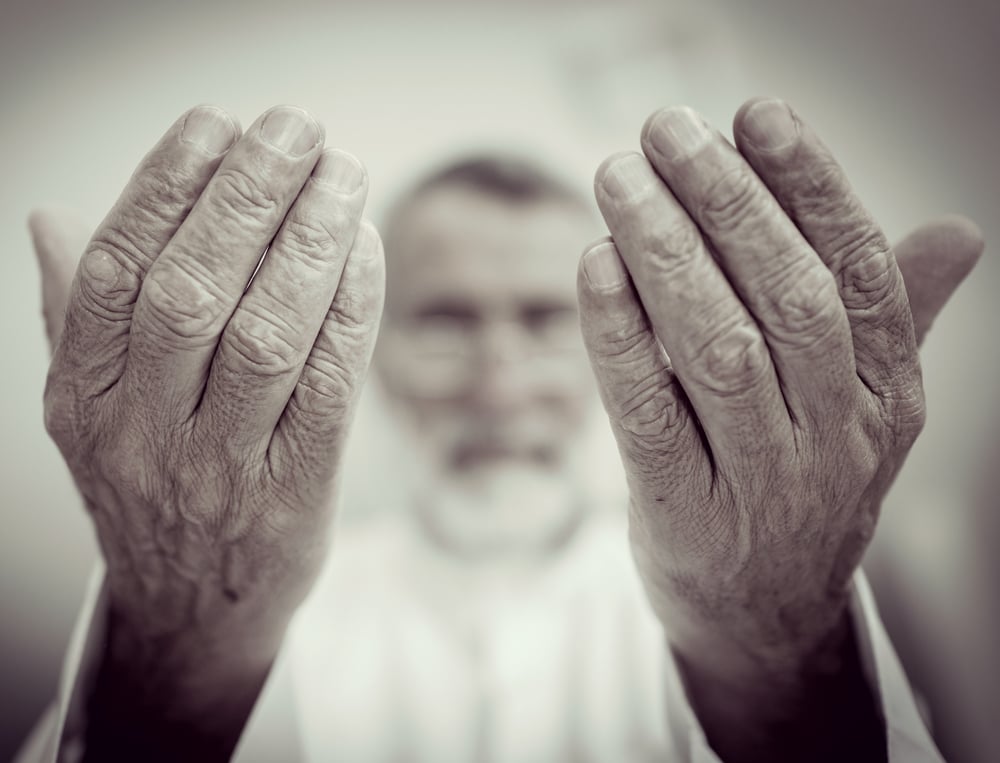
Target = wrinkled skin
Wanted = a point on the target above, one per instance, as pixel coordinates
(202, 418)
(758, 449)
(203, 423)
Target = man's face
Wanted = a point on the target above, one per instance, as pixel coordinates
(481, 347)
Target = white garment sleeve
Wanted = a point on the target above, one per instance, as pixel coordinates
(907, 737)
(59, 733)
(271, 732)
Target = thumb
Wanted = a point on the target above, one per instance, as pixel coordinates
(934, 259)
(59, 236)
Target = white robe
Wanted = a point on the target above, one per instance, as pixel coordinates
(399, 654)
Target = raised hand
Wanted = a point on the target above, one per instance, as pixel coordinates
(202, 413)
(759, 445)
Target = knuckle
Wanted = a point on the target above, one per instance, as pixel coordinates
(624, 344)
(733, 361)
(805, 306)
(116, 463)
(820, 192)
(867, 269)
(158, 196)
(730, 201)
(859, 254)
(117, 459)
(858, 454)
(822, 200)
(124, 243)
(311, 241)
(109, 284)
(907, 410)
(161, 194)
(327, 385)
(669, 246)
(240, 195)
(165, 187)
(338, 361)
(183, 305)
(912, 422)
(259, 340)
(647, 405)
(355, 312)
(651, 411)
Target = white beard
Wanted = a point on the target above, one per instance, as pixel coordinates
(499, 510)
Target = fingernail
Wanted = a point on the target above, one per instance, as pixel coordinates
(210, 129)
(769, 125)
(628, 177)
(339, 170)
(290, 130)
(678, 133)
(603, 267)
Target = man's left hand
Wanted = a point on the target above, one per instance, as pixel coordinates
(760, 444)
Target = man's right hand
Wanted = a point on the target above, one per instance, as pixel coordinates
(203, 418)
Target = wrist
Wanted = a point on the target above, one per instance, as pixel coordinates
(739, 627)
(218, 650)
(228, 639)
(799, 699)
(750, 644)
(200, 599)
(183, 695)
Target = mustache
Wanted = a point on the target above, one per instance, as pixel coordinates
(519, 439)
(473, 453)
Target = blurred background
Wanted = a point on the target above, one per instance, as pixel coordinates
(904, 92)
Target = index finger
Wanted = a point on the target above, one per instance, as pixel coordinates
(149, 211)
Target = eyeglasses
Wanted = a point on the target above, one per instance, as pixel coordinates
(441, 353)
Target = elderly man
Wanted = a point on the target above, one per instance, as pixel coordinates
(753, 346)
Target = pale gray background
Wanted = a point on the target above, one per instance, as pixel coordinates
(904, 92)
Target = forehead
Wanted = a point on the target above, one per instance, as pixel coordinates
(457, 242)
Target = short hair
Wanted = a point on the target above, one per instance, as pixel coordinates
(507, 177)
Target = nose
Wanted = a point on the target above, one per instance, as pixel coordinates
(502, 381)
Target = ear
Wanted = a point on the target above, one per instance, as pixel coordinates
(59, 236)
(934, 259)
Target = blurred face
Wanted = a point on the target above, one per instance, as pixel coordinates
(481, 354)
